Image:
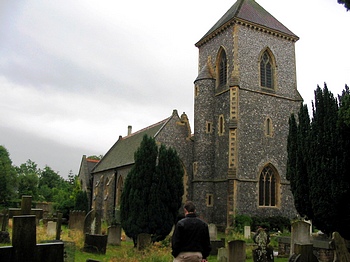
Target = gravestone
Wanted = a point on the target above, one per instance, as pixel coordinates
(341, 253)
(300, 234)
(94, 242)
(76, 220)
(26, 209)
(51, 228)
(92, 223)
(58, 226)
(247, 232)
(114, 235)
(213, 232)
(215, 245)
(143, 241)
(4, 235)
(24, 247)
(222, 255)
(263, 253)
(236, 251)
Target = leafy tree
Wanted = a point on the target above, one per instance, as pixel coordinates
(152, 193)
(318, 157)
(48, 179)
(346, 3)
(7, 176)
(28, 179)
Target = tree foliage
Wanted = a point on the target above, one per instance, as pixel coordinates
(152, 192)
(318, 157)
(346, 3)
(7, 176)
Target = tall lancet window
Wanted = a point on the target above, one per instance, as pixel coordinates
(267, 187)
(266, 70)
(222, 72)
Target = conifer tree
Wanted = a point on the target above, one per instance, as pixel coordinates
(152, 193)
(318, 162)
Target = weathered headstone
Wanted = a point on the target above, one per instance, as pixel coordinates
(341, 253)
(236, 251)
(58, 226)
(304, 252)
(300, 234)
(114, 235)
(92, 223)
(222, 255)
(4, 235)
(213, 232)
(76, 220)
(95, 243)
(247, 232)
(51, 228)
(215, 245)
(263, 253)
(143, 241)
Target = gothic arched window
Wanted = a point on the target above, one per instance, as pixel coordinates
(222, 71)
(266, 70)
(268, 187)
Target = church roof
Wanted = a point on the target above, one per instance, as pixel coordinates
(248, 12)
(122, 152)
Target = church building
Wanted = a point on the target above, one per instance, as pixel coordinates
(235, 159)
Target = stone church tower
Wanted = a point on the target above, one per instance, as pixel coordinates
(244, 95)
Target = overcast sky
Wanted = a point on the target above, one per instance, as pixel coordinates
(75, 74)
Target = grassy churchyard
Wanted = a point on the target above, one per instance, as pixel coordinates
(158, 252)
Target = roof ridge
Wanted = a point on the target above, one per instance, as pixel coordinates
(146, 128)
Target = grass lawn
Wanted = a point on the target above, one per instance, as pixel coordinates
(159, 252)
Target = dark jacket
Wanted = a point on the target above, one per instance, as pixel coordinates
(191, 234)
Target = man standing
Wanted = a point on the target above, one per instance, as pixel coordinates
(191, 241)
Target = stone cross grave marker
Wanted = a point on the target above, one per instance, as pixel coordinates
(24, 247)
(26, 209)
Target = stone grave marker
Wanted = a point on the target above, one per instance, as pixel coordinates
(58, 226)
(222, 255)
(341, 253)
(114, 235)
(24, 247)
(213, 232)
(94, 242)
(92, 223)
(143, 241)
(76, 220)
(247, 232)
(300, 234)
(236, 251)
(26, 209)
(51, 228)
(264, 252)
(4, 234)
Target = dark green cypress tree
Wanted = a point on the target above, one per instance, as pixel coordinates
(169, 192)
(135, 198)
(323, 159)
(152, 192)
(318, 162)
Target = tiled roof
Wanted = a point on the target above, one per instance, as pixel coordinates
(122, 152)
(250, 12)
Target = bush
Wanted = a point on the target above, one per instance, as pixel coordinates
(274, 223)
(241, 221)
